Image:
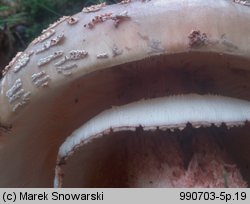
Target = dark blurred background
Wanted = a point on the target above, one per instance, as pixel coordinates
(23, 20)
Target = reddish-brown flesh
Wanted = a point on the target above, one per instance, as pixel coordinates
(188, 158)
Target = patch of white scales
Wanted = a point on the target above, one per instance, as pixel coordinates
(46, 60)
(55, 24)
(44, 36)
(40, 79)
(22, 61)
(17, 95)
(93, 8)
(163, 113)
(48, 44)
(73, 55)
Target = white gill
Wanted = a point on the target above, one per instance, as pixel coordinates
(163, 113)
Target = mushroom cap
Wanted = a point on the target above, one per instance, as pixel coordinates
(83, 64)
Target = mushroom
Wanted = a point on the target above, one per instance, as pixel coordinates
(137, 94)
